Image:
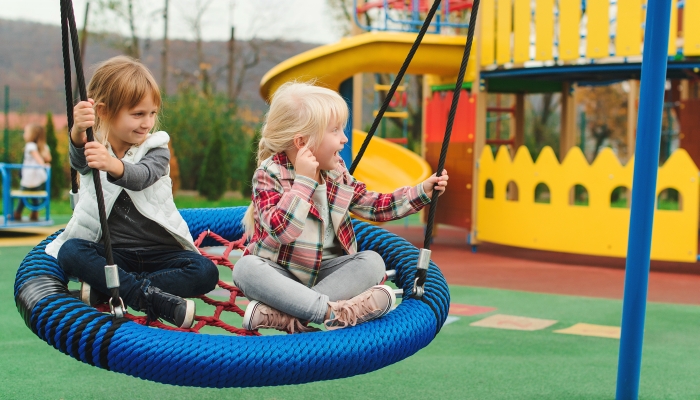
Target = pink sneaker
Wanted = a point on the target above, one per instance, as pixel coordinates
(259, 315)
(368, 305)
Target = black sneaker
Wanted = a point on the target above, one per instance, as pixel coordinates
(91, 297)
(171, 308)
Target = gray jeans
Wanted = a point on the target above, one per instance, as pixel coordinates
(339, 278)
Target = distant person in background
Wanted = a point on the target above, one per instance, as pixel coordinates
(36, 154)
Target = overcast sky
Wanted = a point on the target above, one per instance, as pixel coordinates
(304, 20)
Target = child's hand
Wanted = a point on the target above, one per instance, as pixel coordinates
(84, 118)
(98, 157)
(435, 183)
(306, 163)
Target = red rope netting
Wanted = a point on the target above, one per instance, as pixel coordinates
(220, 306)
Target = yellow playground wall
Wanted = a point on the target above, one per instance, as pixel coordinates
(596, 229)
(507, 27)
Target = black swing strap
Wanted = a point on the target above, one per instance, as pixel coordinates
(68, 26)
(68, 84)
(395, 85)
(424, 257)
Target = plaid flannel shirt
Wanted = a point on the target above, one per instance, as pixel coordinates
(288, 227)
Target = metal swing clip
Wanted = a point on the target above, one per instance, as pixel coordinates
(112, 280)
(74, 197)
(119, 310)
(421, 273)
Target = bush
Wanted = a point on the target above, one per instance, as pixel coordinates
(212, 180)
(58, 177)
(251, 166)
(15, 152)
(193, 121)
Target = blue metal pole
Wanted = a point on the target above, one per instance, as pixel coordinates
(415, 14)
(646, 163)
(7, 124)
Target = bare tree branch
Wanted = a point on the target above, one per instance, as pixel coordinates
(342, 12)
(125, 13)
(134, 46)
(195, 23)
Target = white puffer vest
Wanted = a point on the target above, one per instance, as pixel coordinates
(154, 202)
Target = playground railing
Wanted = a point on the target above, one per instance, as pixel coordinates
(540, 31)
(9, 195)
(402, 16)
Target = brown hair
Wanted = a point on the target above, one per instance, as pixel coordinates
(118, 83)
(37, 134)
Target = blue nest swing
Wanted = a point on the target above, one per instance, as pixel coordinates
(190, 359)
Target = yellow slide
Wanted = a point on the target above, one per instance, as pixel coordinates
(385, 166)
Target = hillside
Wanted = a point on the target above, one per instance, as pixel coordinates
(31, 63)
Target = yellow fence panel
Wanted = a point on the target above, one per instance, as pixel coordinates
(569, 20)
(597, 30)
(594, 229)
(544, 29)
(628, 37)
(503, 30)
(691, 28)
(521, 31)
(488, 32)
(507, 27)
(673, 29)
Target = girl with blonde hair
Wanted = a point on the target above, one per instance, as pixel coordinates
(301, 264)
(36, 156)
(157, 260)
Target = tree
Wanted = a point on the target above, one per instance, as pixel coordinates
(124, 11)
(58, 177)
(542, 115)
(246, 55)
(542, 122)
(251, 166)
(194, 20)
(193, 120)
(600, 133)
(342, 13)
(606, 116)
(250, 57)
(213, 178)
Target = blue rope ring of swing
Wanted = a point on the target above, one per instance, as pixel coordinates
(201, 360)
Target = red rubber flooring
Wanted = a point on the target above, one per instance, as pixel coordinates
(504, 267)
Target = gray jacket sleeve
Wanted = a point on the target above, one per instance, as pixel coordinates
(144, 173)
(137, 176)
(77, 158)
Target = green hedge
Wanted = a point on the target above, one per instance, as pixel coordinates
(193, 121)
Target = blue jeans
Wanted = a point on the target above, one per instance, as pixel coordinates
(340, 278)
(180, 272)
